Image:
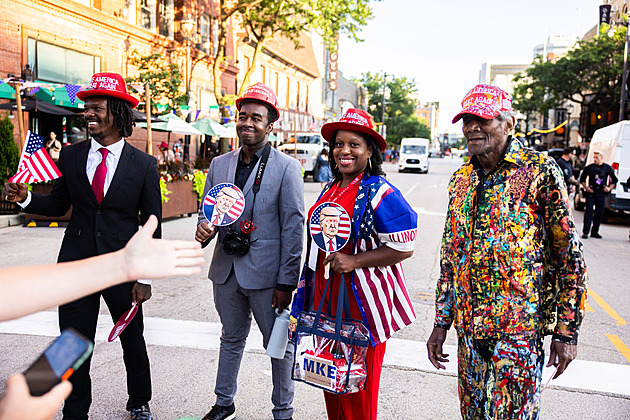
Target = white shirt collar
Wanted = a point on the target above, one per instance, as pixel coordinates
(115, 148)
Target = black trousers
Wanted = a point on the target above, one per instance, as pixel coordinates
(594, 216)
(82, 315)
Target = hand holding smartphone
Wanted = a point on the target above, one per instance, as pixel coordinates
(60, 360)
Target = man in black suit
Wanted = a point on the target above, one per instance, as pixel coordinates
(108, 183)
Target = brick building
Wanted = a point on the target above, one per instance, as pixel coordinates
(65, 42)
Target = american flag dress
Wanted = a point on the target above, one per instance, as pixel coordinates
(381, 217)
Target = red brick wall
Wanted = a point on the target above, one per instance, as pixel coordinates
(71, 25)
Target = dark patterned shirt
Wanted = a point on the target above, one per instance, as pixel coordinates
(512, 261)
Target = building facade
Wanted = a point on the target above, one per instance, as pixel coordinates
(63, 42)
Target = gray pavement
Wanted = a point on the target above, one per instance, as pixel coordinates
(184, 375)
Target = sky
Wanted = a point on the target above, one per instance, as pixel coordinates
(442, 44)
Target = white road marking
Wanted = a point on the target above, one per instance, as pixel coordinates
(411, 189)
(582, 375)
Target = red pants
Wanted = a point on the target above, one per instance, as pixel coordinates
(362, 405)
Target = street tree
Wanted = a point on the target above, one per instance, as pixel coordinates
(400, 120)
(290, 18)
(589, 75)
(163, 79)
(226, 10)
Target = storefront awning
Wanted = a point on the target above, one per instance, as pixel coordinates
(6, 91)
(58, 96)
(37, 105)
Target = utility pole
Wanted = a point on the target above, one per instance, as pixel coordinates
(383, 109)
(622, 100)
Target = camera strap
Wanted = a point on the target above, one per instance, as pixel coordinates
(259, 175)
(261, 169)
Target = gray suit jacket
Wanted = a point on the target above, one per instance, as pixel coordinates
(276, 249)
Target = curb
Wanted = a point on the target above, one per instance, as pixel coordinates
(11, 220)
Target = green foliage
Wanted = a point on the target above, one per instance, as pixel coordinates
(9, 153)
(334, 17)
(290, 18)
(199, 181)
(590, 75)
(163, 78)
(400, 119)
(164, 191)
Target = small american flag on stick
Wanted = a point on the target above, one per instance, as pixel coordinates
(35, 165)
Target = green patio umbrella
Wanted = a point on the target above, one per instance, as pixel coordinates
(173, 124)
(230, 130)
(209, 127)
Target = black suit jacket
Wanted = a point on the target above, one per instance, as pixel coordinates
(98, 229)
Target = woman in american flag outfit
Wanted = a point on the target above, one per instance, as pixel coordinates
(383, 232)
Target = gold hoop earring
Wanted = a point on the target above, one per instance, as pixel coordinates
(369, 165)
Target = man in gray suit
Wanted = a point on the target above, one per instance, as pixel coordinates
(261, 279)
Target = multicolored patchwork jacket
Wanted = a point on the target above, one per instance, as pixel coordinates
(381, 217)
(512, 261)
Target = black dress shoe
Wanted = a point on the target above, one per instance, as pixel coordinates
(220, 412)
(596, 236)
(140, 413)
(585, 235)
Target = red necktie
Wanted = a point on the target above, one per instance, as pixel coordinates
(216, 219)
(331, 248)
(98, 182)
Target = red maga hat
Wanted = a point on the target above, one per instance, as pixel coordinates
(355, 120)
(108, 84)
(260, 93)
(485, 101)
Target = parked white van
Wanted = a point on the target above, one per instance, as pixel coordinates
(414, 154)
(614, 143)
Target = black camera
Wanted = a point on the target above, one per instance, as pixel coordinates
(236, 243)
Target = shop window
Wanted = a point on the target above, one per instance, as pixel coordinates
(166, 16)
(52, 63)
(147, 14)
(204, 31)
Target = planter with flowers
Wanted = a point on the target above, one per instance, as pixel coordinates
(181, 187)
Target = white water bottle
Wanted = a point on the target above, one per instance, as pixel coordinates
(279, 336)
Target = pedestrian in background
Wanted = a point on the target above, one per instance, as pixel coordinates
(165, 155)
(323, 174)
(260, 279)
(511, 265)
(382, 236)
(566, 165)
(53, 146)
(597, 179)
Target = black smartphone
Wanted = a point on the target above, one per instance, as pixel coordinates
(64, 356)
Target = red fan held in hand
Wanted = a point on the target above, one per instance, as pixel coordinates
(122, 323)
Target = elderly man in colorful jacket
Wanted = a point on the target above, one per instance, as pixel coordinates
(512, 266)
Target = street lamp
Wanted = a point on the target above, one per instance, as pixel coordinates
(568, 129)
(187, 28)
(624, 78)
